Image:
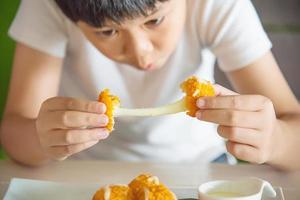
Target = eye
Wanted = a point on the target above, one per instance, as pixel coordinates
(155, 22)
(107, 33)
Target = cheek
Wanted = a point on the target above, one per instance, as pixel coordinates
(165, 46)
(164, 39)
(112, 50)
(171, 32)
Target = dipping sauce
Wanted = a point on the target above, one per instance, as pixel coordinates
(223, 194)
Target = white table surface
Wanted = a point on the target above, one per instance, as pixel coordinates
(173, 175)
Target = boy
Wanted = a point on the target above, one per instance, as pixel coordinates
(142, 50)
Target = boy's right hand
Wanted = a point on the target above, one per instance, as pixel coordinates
(66, 126)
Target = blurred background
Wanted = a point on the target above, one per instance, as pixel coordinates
(281, 18)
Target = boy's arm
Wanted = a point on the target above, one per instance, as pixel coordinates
(265, 78)
(35, 78)
(37, 128)
(261, 124)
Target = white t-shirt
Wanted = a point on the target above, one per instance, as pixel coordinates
(228, 30)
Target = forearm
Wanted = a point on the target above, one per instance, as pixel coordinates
(20, 141)
(286, 152)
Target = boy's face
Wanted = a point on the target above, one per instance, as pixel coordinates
(144, 42)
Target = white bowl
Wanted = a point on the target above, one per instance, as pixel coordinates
(242, 189)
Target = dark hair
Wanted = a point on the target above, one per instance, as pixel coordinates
(96, 12)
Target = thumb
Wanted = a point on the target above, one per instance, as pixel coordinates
(222, 91)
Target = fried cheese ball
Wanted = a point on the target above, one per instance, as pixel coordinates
(194, 89)
(114, 192)
(111, 103)
(148, 187)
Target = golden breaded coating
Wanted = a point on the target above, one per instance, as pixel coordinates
(148, 187)
(194, 89)
(143, 187)
(114, 192)
(111, 103)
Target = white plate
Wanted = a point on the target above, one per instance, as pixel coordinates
(26, 189)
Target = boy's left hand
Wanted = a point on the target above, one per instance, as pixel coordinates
(246, 121)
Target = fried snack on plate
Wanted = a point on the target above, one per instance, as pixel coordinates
(143, 187)
(148, 187)
(192, 87)
(114, 192)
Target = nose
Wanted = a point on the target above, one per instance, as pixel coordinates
(139, 48)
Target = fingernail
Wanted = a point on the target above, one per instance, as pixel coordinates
(101, 107)
(103, 134)
(103, 120)
(200, 103)
(198, 114)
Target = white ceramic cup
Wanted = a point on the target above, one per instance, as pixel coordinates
(242, 189)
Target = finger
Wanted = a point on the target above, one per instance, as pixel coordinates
(240, 102)
(66, 103)
(74, 119)
(245, 152)
(68, 137)
(240, 135)
(222, 91)
(241, 119)
(62, 152)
